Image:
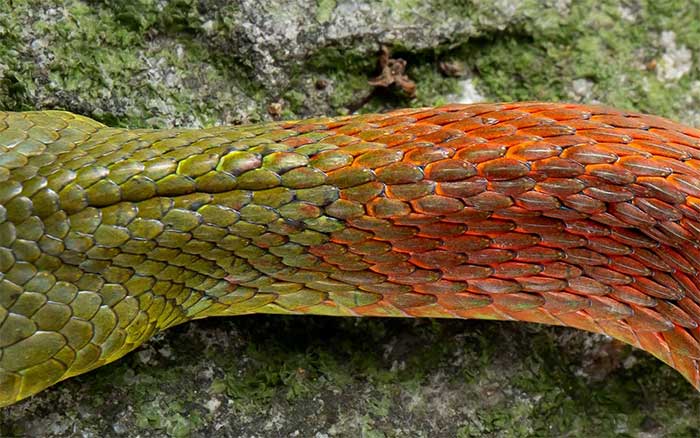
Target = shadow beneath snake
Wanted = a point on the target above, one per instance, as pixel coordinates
(270, 375)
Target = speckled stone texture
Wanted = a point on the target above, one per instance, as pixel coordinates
(156, 64)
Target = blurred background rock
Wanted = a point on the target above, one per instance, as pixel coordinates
(160, 63)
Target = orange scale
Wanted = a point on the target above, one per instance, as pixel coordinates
(609, 193)
(411, 299)
(457, 143)
(420, 128)
(491, 256)
(504, 116)
(640, 134)
(536, 315)
(481, 152)
(415, 245)
(517, 214)
(461, 189)
(676, 314)
(353, 128)
(584, 204)
(382, 309)
(513, 241)
(662, 189)
(654, 289)
(465, 244)
(533, 150)
(673, 233)
(565, 214)
(440, 287)
(651, 259)
(517, 301)
(692, 254)
(587, 286)
(534, 107)
(603, 135)
(632, 215)
(493, 286)
(446, 118)
(441, 230)
(589, 154)
(628, 265)
(564, 114)
(620, 121)
(669, 150)
(561, 240)
(530, 122)
(537, 201)
(463, 301)
(539, 254)
(624, 150)
(610, 173)
(567, 141)
(682, 343)
(604, 308)
(654, 343)
(619, 330)
(503, 169)
(493, 131)
(547, 131)
(692, 308)
(541, 284)
(395, 232)
(393, 268)
(514, 186)
(685, 183)
(678, 261)
(341, 140)
(688, 367)
(641, 166)
(630, 295)
(449, 170)
(608, 246)
(390, 257)
(416, 277)
(423, 154)
(298, 141)
(425, 113)
(415, 219)
(676, 136)
(429, 311)
(580, 320)
(658, 209)
(394, 139)
(437, 259)
(396, 122)
(490, 227)
(607, 276)
(561, 270)
(511, 141)
(558, 303)
(442, 136)
(469, 125)
(586, 257)
(633, 238)
(486, 312)
(587, 228)
(511, 270)
(464, 272)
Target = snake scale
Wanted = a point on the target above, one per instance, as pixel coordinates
(565, 214)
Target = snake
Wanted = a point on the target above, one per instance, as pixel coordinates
(566, 214)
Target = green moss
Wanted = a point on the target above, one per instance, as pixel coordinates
(324, 10)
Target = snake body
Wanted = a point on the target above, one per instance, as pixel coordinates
(573, 215)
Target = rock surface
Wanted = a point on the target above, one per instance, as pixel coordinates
(143, 63)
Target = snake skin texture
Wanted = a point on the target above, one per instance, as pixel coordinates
(573, 215)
